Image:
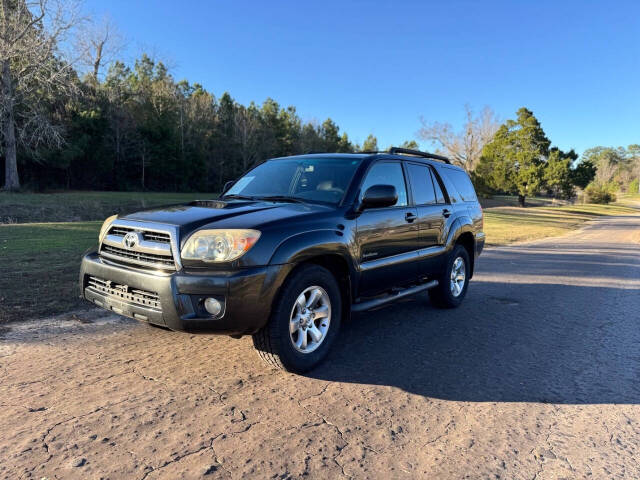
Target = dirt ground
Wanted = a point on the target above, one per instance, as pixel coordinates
(537, 375)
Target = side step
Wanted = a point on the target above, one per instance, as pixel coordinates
(376, 302)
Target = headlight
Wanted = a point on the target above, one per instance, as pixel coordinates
(105, 226)
(219, 245)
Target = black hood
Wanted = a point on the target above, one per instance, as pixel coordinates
(223, 214)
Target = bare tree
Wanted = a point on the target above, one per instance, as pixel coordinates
(32, 68)
(99, 42)
(246, 124)
(464, 147)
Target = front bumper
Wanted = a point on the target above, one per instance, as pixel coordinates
(247, 295)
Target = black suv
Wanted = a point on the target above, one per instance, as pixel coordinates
(292, 248)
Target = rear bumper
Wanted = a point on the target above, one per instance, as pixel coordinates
(247, 296)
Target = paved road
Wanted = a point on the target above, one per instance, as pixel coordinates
(537, 376)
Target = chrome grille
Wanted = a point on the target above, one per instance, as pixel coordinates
(153, 248)
(120, 231)
(139, 256)
(159, 237)
(123, 292)
(156, 237)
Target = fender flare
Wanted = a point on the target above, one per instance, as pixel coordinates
(460, 225)
(303, 246)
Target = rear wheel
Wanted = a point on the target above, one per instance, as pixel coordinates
(454, 281)
(304, 322)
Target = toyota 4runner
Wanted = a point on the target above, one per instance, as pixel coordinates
(292, 248)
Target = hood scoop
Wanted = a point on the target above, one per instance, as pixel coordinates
(209, 203)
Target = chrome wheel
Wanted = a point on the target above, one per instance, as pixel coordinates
(310, 319)
(458, 276)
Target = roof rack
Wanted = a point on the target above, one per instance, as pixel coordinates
(417, 153)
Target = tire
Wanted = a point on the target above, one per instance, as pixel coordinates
(445, 295)
(283, 346)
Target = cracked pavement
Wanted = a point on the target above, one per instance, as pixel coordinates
(536, 376)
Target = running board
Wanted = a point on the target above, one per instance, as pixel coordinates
(376, 302)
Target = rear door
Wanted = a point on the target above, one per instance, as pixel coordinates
(387, 237)
(429, 201)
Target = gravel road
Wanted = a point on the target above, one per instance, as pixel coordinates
(537, 375)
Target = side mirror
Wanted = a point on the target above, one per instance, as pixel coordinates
(228, 185)
(379, 196)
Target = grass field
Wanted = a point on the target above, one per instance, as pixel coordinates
(505, 225)
(40, 261)
(40, 266)
(633, 199)
(83, 206)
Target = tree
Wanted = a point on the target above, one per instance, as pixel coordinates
(99, 42)
(583, 173)
(370, 144)
(514, 160)
(619, 165)
(32, 67)
(345, 146)
(558, 174)
(329, 133)
(247, 123)
(464, 147)
(410, 144)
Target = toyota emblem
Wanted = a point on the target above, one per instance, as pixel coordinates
(131, 240)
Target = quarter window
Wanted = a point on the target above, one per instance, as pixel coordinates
(463, 184)
(387, 173)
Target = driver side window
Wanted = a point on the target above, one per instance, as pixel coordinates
(387, 173)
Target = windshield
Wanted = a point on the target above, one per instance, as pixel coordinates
(322, 179)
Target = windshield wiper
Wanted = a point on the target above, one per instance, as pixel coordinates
(281, 198)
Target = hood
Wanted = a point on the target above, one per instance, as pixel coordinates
(223, 214)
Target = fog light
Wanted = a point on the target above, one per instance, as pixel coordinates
(213, 306)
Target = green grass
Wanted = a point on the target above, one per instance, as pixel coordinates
(504, 225)
(40, 267)
(82, 206)
(512, 201)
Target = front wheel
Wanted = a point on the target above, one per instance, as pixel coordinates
(453, 283)
(304, 322)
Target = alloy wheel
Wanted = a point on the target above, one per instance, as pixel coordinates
(458, 276)
(310, 319)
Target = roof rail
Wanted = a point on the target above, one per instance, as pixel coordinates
(417, 153)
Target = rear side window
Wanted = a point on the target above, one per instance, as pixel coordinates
(421, 184)
(387, 173)
(462, 183)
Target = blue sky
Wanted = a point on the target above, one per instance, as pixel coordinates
(377, 67)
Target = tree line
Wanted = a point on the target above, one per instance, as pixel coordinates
(134, 127)
(139, 128)
(517, 157)
(113, 126)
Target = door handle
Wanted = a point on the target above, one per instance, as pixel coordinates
(446, 213)
(410, 217)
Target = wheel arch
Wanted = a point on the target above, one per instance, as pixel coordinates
(461, 233)
(325, 248)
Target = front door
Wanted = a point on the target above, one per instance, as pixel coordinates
(387, 237)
